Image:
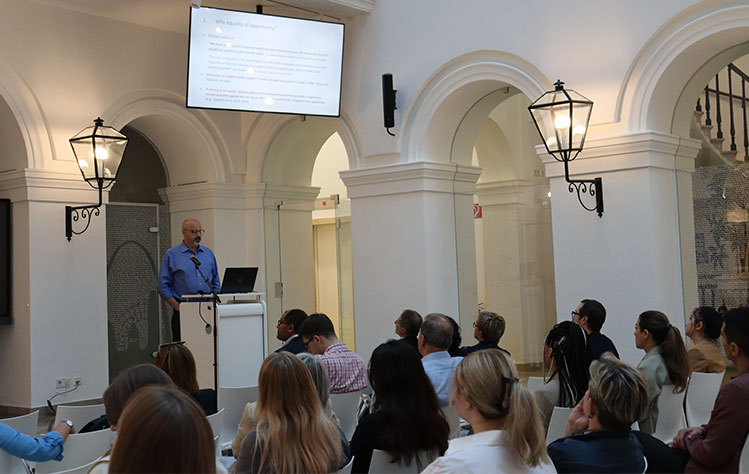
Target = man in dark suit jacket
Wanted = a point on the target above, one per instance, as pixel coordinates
(590, 315)
(287, 328)
(407, 327)
(488, 329)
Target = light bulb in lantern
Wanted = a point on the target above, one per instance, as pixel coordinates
(101, 153)
(562, 122)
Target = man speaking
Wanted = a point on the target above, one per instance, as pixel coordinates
(179, 273)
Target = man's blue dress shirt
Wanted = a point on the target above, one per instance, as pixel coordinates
(439, 367)
(178, 275)
(32, 449)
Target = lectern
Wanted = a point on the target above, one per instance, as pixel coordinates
(240, 342)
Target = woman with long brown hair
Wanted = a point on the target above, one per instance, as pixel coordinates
(162, 429)
(508, 435)
(175, 359)
(292, 433)
(665, 361)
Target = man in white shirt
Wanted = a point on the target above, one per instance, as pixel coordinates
(434, 340)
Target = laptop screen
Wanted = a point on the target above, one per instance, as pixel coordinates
(239, 280)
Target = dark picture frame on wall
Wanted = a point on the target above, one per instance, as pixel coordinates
(6, 316)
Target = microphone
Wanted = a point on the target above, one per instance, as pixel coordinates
(195, 261)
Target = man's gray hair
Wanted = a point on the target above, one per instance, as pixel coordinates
(437, 331)
(319, 376)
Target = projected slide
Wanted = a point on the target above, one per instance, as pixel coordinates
(251, 62)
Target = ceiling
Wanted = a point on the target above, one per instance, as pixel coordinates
(171, 15)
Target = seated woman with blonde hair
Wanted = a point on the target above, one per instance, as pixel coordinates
(508, 435)
(292, 432)
(162, 429)
(319, 377)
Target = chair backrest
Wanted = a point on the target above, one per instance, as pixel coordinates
(233, 400)
(670, 414)
(557, 424)
(381, 463)
(81, 469)
(744, 459)
(215, 420)
(79, 450)
(347, 468)
(217, 445)
(345, 406)
(26, 424)
(451, 415)
(701, 394)
(78, 414)
(534, 383)
(12, 464)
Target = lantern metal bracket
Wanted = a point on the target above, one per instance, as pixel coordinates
(82, 213)
(592, 187)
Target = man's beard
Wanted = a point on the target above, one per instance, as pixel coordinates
(197, 240)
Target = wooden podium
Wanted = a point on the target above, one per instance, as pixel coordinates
(241, 340)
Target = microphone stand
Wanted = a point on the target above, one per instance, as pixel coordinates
(216, 300)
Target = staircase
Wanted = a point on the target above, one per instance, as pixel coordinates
(724, 96)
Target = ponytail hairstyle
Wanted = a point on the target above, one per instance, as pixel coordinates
(669, 339)
(567, 343)
(488, 379)
(710, 319)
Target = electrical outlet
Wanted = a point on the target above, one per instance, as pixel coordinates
(62, 383)
(76, 381)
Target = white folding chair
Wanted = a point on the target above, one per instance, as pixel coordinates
(347, 468)
(670, 414)
(381, 463)
(215, 421)
(12, 464)
(81, 469)
(26, 424)
(744, 459)
(233, 400)
(345, 406)
(79, 450)
(451, 415)
(701, 394)
(534, 383)
(217, 445)
(557, 423)
(78, 414)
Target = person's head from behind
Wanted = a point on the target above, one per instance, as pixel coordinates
(162, 429)
(653, 329)
(564, 355)
(617, 396)
(486, 389)
(319, 375)
(126, 384)
(736, 336)
(288, 324)
(175, 359)
(408, 323)
(436, 334)
(703, 323)
(317, 333)
(405, 402)
(590, 315)
(489, 327)
(292, 433)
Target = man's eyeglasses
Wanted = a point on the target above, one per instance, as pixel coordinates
(306, 343)
(575, 313)
(474, 324)
(195, 232)
(280, 322)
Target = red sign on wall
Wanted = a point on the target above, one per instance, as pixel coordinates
(477, 211)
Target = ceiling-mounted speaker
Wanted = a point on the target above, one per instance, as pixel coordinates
(388, 102)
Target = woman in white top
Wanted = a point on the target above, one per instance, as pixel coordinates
(508, 436)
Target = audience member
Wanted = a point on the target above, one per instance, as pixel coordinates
(454, 349)
(177, 361)
(703, 328)
(507, 433)
(665, 361)
(119, 392)
(488, 329)
(322, 387)
(287, 330)
(434, 340)
(405, 417)
(291, 433)
(716, 447)
(407, 328)
(46, 448)
(346, 371)
(163, 429)
(567, 362)
(590, 315)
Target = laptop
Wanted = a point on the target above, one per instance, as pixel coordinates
(238, 280)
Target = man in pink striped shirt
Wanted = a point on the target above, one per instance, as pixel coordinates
(346, 370)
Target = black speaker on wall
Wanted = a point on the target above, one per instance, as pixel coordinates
(388, 102)
(5, 270)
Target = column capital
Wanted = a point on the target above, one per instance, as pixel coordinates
(627, 152)
(47, 186)
(410, 177)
